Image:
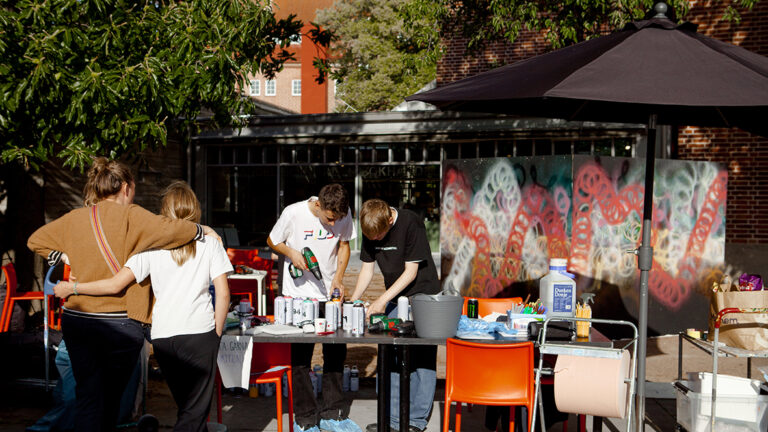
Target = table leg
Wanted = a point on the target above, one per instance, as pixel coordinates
(405, 388)
(679, 356)
(383, 387)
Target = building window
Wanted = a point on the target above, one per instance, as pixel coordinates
(270, 88)
(255, 88)
(295, 87)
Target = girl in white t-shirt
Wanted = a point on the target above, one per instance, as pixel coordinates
(185, 328)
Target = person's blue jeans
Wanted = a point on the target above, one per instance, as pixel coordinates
(423, 381)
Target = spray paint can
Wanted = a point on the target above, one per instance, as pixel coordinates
(288, 310)
(279, 310)
(331, 318)
(316, 306)
(403, 308)
(354, 379)
(319, 374)
(358, 319)
(297, 302)
(339, 314)
(345, 375)
(347, 316)
(307, 311)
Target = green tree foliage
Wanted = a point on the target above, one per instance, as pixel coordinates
(564, 22)
(378, 56)
(86, 77)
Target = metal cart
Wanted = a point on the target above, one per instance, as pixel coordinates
(554, 348)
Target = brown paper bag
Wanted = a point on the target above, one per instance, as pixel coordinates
(746, 330)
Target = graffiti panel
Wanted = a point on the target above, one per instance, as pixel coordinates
(503, 218)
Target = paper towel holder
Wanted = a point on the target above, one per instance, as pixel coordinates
(585, 351)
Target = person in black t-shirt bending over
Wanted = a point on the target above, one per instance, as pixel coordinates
(397, 240)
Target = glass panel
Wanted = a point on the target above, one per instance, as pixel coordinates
(433, 152)
(226, 155)
(332, 155)
(316, 153)
(302, 153)
(233, 203)
(415, 151)
(506, 148)
(213, 155)
(524, 148)
(348, 154)
(451, 150)
(562, 147)
(415, 187)
(270, 154)
(286, 154)
(302, 182)
(487, 149)
(381, 153)
(543, 148)
(603, 147)
(624, 146)
(582, 147)
(398, 152)
(241, 155)
(468, 150)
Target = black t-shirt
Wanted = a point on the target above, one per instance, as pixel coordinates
(405, 242)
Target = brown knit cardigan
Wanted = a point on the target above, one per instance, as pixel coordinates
(129, 229)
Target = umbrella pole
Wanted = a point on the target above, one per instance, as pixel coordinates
(644, 263)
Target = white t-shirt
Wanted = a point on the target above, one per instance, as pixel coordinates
(183, 303)
(299, 228)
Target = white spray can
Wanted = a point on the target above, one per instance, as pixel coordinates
(403, 308)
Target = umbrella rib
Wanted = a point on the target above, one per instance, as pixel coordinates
(725, 120)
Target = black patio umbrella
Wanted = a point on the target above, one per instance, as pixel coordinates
(652, 71)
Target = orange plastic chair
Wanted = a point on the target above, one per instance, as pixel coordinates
(12, 296)
(267, 356)
(505, 379)
(486, 306)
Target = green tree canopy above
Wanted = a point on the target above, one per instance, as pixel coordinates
(563, 22)
(379, 57)
(86, 77)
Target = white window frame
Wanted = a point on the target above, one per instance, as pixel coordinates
(296, 87)
(255, 87)
(270, 87)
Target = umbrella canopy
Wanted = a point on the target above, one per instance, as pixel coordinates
(650, 67)
(652, 71)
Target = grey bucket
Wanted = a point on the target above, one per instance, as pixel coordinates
(436, 316)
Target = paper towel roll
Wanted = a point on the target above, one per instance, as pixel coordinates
(592, 385)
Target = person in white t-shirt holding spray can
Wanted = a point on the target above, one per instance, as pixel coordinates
(323, 224)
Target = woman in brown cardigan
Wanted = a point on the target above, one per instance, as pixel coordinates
(104, 334)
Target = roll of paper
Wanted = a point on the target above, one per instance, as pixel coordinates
(592, 385)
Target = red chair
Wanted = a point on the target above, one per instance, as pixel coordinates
(487, 306)
(269, 356)
(505, 378)
(250, 258)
